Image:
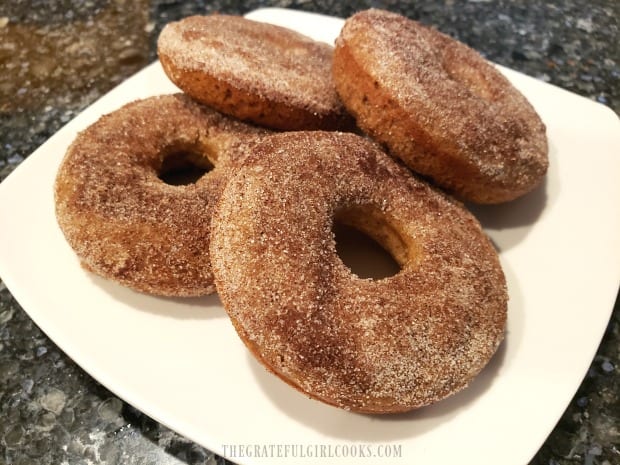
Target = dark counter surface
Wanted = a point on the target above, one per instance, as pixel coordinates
(57, 57)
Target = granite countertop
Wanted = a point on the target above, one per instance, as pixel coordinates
(57, 57)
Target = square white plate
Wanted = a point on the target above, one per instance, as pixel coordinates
(181, 362)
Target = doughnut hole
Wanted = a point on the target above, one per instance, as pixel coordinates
(184, 164)
(369, 244)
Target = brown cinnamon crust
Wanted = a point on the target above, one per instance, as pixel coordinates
(440, 107)
(257, 72)
(121, 219)
(376, 346)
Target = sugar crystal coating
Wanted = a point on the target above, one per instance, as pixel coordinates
(440, 107)
(368, 345)
(121, 219)
(254, 71)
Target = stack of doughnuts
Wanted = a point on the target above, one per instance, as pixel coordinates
(284, 137)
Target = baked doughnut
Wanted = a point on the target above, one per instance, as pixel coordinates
(254, 71)
(440, 107)
(375, 346)
(127, 224)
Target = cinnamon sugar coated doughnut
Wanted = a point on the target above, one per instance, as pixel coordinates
(254, 71)
(440, 107)
(127, 224)
(376, 346)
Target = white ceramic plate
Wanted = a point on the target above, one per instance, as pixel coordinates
(181, 362)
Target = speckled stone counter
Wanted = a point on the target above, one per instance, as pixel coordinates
(57, 57)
